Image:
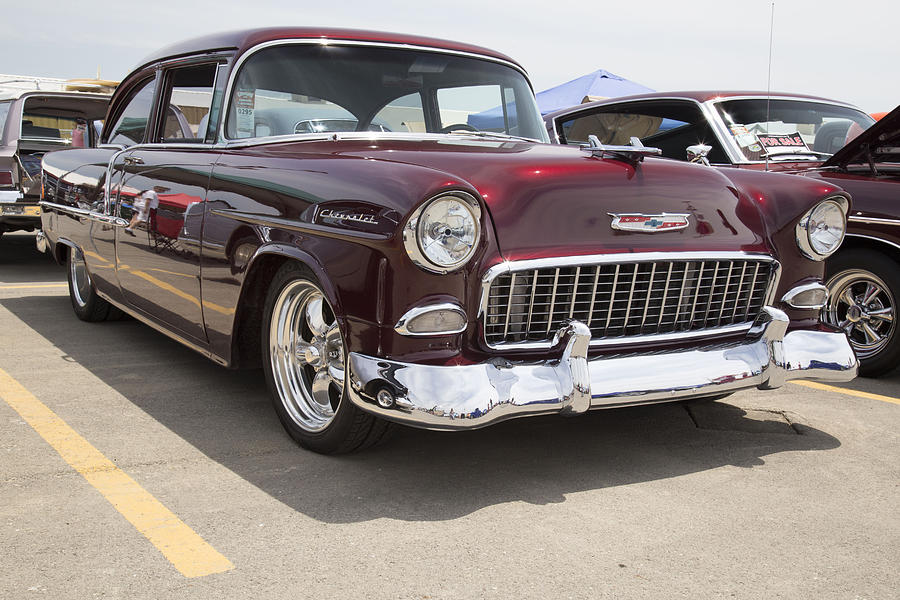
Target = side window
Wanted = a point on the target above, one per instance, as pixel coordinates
(401, 114)
(189, 99)
(132, 122)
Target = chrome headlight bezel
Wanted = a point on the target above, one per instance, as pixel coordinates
(412, 233)
(805, 234)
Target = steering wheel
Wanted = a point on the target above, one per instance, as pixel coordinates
(458, 127)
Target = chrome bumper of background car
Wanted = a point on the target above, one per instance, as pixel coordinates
(470, 396)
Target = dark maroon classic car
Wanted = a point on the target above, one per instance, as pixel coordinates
(422, 271)
(786, 133)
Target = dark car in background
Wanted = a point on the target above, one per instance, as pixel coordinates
(794, 134)
(776, 132)
(425, 272)
(863, 277)
(31, 124)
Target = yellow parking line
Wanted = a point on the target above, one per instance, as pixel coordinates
(831, 388)
(32, 285)
(186, 550)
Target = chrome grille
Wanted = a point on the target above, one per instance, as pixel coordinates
(627, 299)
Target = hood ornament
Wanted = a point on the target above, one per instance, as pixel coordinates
(641, 223)
(633, 153)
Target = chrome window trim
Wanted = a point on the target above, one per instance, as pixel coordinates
(792, 293)
(336, 41)
(416, 311)
(628, 258)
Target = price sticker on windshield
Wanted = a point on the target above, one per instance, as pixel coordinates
(776, 143)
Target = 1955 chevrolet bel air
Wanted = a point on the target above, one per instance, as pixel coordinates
(407, 267)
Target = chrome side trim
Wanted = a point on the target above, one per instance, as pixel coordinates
(790, 296)
(88, 214)
(294, 225)
(416, 311)
(72, 210)
(471, 396)
(873, 220)
(626, 258)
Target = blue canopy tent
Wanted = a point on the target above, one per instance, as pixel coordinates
(599, 84)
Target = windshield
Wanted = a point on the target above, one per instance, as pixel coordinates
(292, 89)
(793, 128)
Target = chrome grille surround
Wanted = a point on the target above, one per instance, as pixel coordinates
(656, 297)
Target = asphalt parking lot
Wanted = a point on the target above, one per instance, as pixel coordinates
(134, 468)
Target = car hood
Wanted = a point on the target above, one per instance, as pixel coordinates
(881, 142)
(548, 200)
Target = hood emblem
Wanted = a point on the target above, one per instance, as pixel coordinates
(648, 223)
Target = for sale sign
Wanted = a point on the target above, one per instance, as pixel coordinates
(778, 143)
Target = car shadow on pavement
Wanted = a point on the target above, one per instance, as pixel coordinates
(416, 475)
(21, 262)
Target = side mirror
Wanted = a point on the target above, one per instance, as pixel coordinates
(697, 154)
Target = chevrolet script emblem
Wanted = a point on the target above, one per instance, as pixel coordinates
(648, 223)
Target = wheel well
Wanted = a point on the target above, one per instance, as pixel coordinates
(60, 253)
(246, 351)
(854, 243)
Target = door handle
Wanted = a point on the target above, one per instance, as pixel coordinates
(133, 160)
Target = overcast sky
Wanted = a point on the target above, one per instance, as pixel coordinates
(838, 49)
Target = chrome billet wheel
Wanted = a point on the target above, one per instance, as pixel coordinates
(79, 278)
(862, 304)
(307, 355)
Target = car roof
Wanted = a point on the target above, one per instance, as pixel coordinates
(242, 40)
(696, 95)
(15, 94)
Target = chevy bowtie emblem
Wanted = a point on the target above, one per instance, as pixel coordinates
(648, 223)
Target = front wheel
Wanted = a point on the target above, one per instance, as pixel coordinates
(304, 357)
(863, 290)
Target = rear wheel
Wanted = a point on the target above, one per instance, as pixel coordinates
(87, 304)
(304, 357)
(863, 290)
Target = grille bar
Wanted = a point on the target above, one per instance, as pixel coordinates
(621, 300)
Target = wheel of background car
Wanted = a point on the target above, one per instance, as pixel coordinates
(458, 127)
(304, 359)
(863, 289)
(87, 304)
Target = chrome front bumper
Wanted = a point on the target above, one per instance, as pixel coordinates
(470, 396)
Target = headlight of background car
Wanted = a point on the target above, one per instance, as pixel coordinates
(821, 230)
(443, 233)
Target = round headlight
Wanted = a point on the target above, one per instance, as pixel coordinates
(822, 230)
(442, 234)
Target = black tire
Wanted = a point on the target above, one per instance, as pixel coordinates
(864, 287)
(88, 306)
(307, 376)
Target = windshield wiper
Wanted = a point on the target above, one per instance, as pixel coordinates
(497, 134)
(794, 155)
